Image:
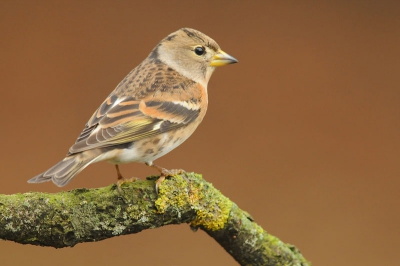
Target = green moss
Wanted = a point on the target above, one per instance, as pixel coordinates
(211, 207)
(83, 215)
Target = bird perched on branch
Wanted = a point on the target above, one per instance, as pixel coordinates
(155, 108)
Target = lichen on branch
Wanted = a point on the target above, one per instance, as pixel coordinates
(65, 219)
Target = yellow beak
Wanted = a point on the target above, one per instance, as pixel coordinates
(222, 59)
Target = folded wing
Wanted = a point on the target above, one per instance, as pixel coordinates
(123, 120)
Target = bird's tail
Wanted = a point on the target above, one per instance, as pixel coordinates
(63, 172)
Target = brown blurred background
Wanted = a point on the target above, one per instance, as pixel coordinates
(303, 133)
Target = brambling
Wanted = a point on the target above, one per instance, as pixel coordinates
(155, 108)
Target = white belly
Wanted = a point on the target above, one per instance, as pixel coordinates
(146, 150)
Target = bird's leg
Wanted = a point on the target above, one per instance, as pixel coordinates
(122, 179)
(119, 176)
(164, 173)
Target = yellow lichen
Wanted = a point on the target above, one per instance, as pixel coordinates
(212, 208)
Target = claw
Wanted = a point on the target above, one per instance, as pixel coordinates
(159, 181)
(165, 173)
(172, 172)
(120, 182)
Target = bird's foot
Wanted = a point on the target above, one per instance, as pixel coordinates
(159, 181)
(123, 180)
(172, 172)
(165, 173)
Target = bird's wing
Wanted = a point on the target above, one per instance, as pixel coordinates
(123, 120)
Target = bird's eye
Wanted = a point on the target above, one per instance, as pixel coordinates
(199, 50)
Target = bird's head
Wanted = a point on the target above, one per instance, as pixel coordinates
(192, 53)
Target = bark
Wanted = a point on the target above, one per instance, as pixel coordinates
(65, 219)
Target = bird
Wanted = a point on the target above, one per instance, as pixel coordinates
(153, 110)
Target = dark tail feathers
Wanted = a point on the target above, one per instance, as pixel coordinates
(63, 172)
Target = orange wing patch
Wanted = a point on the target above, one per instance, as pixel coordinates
(174, 112)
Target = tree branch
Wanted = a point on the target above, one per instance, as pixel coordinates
(65, 219)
